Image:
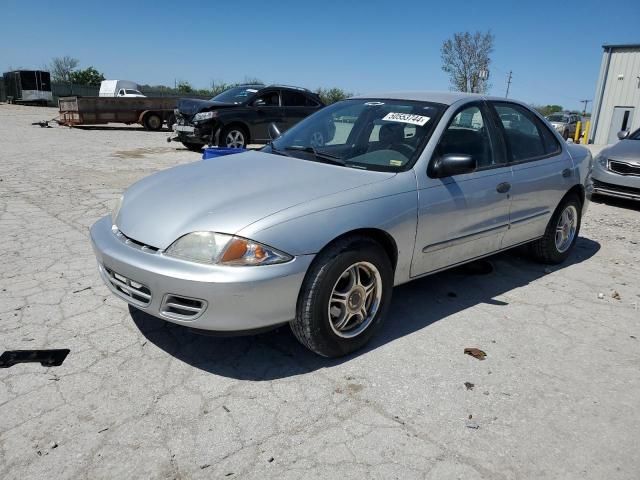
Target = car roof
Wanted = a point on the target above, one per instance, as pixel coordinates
(446, 98)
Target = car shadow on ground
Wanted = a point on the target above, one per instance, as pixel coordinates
(617, 202)
(111, 128)
(415, 305)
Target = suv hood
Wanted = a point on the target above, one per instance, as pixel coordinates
(191, 106)
(228, 194)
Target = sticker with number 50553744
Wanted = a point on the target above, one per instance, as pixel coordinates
(406, 118)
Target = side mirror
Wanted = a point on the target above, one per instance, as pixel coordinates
(259, 103)
(274, 131)
(623, 134)
(454, 164)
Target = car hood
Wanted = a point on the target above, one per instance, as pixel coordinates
(627, 150)
(191, 106)
(228, 194)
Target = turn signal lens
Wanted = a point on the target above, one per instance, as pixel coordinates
(241, 251)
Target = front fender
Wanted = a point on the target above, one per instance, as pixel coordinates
(394, 214)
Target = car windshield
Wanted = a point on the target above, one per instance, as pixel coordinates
(558, 118)
(132, 92)
(237, 94)
(372, 134)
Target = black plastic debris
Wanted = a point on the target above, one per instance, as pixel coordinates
(46, 358)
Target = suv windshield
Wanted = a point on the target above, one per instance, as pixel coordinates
(237, 94)
(373, 134)
(558, 118)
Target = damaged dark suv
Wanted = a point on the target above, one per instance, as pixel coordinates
(242, 115)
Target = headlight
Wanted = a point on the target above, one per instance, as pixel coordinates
(116, 210)
(222, 249)
(601, 159)
(198, 117)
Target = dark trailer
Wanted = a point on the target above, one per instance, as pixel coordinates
(28, 87)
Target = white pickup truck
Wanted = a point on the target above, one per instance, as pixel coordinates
(119, 88)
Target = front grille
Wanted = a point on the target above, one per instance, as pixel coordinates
(134, 243)
(598, 185)
(132, 291)
(182, 308)
(624, 168)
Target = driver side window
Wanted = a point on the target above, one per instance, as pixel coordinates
(468, 134)
(269, 99)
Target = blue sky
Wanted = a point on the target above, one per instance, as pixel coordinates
(553, 48)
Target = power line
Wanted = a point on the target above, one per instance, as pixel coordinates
(508, 84)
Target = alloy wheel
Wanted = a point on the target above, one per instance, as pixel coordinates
(566, 228)
(355, 299)
(235, 139)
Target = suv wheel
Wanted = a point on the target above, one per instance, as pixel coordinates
(561, 233)
(344, 298)
(233, 137)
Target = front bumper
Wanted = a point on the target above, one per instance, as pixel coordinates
(200, 132)
(606, 182)
(207, 297)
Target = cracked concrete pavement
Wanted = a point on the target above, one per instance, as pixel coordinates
(556, 397)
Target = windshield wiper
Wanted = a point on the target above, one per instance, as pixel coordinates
(327, 157)
(278, 151)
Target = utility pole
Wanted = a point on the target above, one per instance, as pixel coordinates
(508, 84)
(584, 110)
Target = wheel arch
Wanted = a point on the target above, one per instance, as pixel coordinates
(577, 190)
(386, 241)
(238, 124)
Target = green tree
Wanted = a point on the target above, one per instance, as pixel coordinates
(184, 87)
(466, 58)
(88, 76)
(546, 110)
(332, 95)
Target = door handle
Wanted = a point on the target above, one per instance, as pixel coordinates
(566, 173)
(503, 187)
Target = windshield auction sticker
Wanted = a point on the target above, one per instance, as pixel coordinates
(406, 118)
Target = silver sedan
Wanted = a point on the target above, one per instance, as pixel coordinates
(317, 233)
(616, 170)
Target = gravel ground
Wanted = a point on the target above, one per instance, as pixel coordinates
(556, 397)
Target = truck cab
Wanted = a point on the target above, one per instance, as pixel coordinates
(119, 88)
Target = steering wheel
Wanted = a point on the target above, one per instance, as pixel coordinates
(403, 148)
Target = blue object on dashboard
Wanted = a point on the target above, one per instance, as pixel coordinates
(214, 152)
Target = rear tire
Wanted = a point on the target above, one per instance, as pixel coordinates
(344, 298)
(561, 233)
(153, 122)
(194, 147)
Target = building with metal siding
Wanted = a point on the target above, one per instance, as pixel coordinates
(616, 105)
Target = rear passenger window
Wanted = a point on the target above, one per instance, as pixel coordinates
(293, 99)
(523, 133)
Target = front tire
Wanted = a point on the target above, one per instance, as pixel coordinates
(344, 298)
(561, 233)
(233, 137)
